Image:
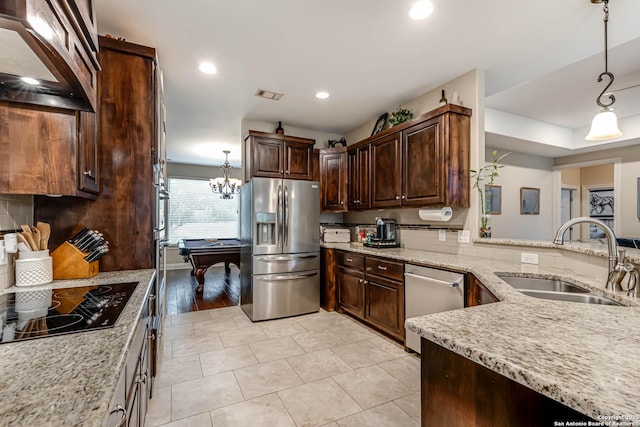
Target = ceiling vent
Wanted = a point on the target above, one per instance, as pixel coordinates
(274, 96)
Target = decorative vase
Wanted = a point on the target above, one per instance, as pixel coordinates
(485, 232)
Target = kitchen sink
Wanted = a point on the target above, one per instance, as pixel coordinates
(542, 284)
(571, 297)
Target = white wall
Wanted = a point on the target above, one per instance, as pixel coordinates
(184, 170)
(523, 170)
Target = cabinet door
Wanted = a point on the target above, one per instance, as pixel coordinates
(424, 164)
(477, 294)
(333, 181)
(351, 291)
(88, 173)
(364, 170)
(353, 179)
(268, 158)
(298, 156)
(385, 306)
(386, 178)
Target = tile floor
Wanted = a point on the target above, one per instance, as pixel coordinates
(322, 369)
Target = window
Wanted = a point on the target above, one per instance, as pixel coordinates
(195, 212)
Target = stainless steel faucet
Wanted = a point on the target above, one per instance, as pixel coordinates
(611, 242)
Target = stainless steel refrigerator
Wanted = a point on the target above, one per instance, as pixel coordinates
(280, 256)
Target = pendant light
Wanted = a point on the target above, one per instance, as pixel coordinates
(225, 185)
(605, 123)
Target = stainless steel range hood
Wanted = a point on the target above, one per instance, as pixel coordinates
(47, 42)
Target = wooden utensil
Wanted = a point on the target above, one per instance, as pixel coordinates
(36, 237)
(45, 233)
(24, 240)
(29, 236)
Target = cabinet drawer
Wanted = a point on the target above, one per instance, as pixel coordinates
(385, 268)
(350, 259)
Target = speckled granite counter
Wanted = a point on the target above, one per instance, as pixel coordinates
(69, 379)
(584, 356)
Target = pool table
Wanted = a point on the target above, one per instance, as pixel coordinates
(203, 253)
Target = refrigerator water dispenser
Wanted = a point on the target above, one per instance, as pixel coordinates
(266, 228)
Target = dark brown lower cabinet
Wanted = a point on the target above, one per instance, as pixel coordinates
(328, 279)
(351, 291)
(457, 392)
(384, 303)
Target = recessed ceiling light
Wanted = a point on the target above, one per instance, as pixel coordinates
(30, 80)
(322, 95)
(420, 10)
(207, 68)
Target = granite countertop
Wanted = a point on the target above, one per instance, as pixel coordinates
(69, 379)
(584, 356)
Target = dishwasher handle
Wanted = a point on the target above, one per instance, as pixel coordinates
(455, 284)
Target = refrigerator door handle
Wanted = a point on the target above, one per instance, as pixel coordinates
(269, 258)
(287, 277)
(278, 214)
(286, 216)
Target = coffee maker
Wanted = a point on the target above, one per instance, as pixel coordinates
(386, 236)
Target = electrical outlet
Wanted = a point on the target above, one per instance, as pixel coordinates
(464, 236)
(442, 235)
(527, 258)
(3, 254)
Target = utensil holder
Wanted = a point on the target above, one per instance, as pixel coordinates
(69, 263)
(34, 268)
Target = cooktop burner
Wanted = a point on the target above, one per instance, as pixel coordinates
(26, 314)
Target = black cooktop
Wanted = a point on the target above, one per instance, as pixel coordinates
(28, 314)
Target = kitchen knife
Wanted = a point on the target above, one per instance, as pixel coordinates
(79, 235)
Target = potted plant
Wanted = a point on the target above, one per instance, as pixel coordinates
(486, 175)
(401, 115)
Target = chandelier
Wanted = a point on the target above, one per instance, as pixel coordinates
(605, 123)
(225, 185)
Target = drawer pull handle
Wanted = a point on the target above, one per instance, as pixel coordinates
(349, 259)
(382, 268)
(120, 408)
(360, 280)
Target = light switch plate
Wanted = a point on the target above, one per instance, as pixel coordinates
(528, 258)
(442, 235)
(464, 236)
(4, 258)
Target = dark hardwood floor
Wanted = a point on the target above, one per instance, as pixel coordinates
(219, 290)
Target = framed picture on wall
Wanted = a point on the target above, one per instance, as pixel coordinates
(601, 203)
(529, 201)
(380, 123)
(493, 199)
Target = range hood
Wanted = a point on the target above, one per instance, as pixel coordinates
(49, 44)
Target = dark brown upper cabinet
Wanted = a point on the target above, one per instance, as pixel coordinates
(423, 162)
(56, 43)
(278, 156)
(333, 179)
(359, 161)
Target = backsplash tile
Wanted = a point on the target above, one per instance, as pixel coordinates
(15, 210)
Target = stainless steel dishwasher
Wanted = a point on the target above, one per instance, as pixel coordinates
(428, 291)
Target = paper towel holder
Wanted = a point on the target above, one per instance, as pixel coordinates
(443, 214)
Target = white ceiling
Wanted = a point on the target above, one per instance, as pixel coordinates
(541, 58)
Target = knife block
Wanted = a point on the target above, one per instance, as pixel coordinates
(69, 263)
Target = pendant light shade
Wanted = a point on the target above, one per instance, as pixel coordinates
(604, 126)
(605, 123)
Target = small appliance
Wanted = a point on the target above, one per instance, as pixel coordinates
(385, 236)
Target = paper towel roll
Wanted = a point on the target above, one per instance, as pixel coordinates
(443, 214)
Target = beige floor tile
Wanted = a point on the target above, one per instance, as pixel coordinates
(241, 336)
(266, 378)
(228, 359)
(372, 386)
(352, 332)
(166, 349)
(219, 324)
(362, 353)
(225, 312)
(406, 369)
(242, 321)
(204, 394)
(317, 365)
(322, 321)
(200, 420)
(159, 410)
(315, 340)
(264, 411)
(282, 328)
(318, 403)
(190, 317)
(389, 346)
(333, 424)
(194, 345)
(174, 371)
(274, 349)
(410, 404)
(384, 415)
(180, 331)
